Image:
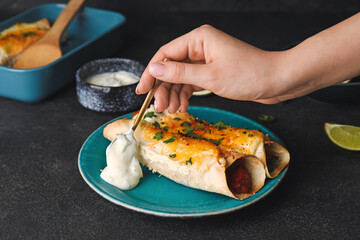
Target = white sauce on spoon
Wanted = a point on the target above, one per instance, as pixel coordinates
(123, 169)
(113, 79)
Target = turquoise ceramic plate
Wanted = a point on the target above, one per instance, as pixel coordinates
(158, 195)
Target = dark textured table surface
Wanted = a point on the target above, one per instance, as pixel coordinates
(43, 196)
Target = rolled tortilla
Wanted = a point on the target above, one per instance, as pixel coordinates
(217, 152)
(229, 139)
(198, 164)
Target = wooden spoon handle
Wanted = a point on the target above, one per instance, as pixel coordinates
(65, 18)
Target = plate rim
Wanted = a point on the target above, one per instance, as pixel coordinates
(179, 215)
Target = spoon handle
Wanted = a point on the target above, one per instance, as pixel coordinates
(65, 18)
(146, 103)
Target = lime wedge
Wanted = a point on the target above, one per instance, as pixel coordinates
(344, 136)
(201, 93)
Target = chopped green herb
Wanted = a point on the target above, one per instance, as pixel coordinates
(221, 125)
(216, 142)
(162, 123)
(250, 135)
(200, 127)
(185, 123)
(266, 118)
(166, 128)
(189, 129)
(170, 140)
(149, 115)
(172, 155)
(244, 132)
(188, 162)
(158, 136)
(26, 34)
(156, 124)
(189, 133)
(208, 131)
(177, 119)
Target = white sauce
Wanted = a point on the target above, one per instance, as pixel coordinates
(113, 79)
(123, 169)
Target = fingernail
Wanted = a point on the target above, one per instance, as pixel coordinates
(157, 69)
(155, 104)
(136, 90)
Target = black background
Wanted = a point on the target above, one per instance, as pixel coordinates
(42, 195)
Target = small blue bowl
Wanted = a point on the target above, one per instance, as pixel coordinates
(109, 99)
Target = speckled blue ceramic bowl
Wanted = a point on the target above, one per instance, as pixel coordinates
(109, 99)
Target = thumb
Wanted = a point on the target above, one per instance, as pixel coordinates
(182, 73)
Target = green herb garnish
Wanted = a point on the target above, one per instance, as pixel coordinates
(166, 128)
(221, 125)
(244, 132)
(188, 162)
(266, 118)
(26, 34)
(149, 115)
(200, 127)
(156, 124)
(250, 135)
(162, 123)
(216, 142)
(177, 119)
(208, 131)
(158, 136)
(185, 123)
(172, 155)
(189, 129)
(170, 140)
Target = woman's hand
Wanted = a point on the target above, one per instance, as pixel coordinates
(207, 58)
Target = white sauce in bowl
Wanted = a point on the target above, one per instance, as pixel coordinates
(123, 169)
(113, 79)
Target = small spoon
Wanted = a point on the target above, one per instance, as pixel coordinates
(47, 49)
(147, 101)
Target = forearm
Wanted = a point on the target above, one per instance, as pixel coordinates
(326, 58)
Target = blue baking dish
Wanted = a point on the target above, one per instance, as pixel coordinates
(92, 34)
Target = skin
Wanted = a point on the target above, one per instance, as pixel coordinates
(207, 58)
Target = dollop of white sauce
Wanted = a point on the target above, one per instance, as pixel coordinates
(113, 79)
(123, 169)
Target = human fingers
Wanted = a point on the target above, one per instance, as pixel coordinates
(200, 75)
(174, 101)
(161, 96)
(185, 94)
(189, 46)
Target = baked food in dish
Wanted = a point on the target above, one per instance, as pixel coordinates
(19, 36)
(211, 157)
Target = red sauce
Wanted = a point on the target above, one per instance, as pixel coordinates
(239, 179)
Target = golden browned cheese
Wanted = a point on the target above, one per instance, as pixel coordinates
(19, 36)
(200, 136)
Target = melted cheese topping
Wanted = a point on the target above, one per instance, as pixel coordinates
(196, 139)
(16, 38)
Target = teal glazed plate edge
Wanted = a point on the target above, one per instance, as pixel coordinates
(157, 195)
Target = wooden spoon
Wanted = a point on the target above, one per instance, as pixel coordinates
(47, 49)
